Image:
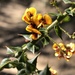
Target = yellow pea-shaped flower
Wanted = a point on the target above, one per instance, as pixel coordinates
(29, 13)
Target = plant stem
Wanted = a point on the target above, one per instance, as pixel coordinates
(58, 22)
(50, 39)
(52, 25)
(65, 32)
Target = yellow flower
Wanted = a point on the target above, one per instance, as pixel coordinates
(34, 32)
(29, 13)
(64, 51)
(62, 46)
(41, 20)
(71, 46)
(47, 19)
(55, 46)
(37, 19)
(30, 28)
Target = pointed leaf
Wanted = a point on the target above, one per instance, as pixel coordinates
(66, 19)
(34, 60)
(45, 41)
(58, 31)
(30, 67)
(69, 11)
(27, 37)
(23, 57)
(24, 46)
(53, 14)
(14, 50)
(4, 63)
(9, 51)
(21, 72)
(33, 48)
(46, 71)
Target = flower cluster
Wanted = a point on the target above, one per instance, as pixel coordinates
(35, 21)
(64, 51)
(53, 72)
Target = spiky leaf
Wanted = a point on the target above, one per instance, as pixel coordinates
(46, 71)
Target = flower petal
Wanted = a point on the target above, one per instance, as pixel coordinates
(48, 19)
(37, 19)
(30, 28)
(32, 10)
(28, 14)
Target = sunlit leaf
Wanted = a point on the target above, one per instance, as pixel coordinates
(66, 19)
(5, 63)
(9, 51)
(24, 46)
(14, 50)
(27, 37)
(69, 11)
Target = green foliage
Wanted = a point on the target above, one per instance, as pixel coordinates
(66, 19)
(68, 2)
(46, 71)
(18, 55)
(72, 13)
(5, 63)
(58, 31)
(13, 50)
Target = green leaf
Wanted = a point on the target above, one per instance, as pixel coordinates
(31, 47)
(69, 11)
(60, 16)
(18, 65)
(66, 19)
(58, 31)
(46, 71)
(68, 2)
(27, 37)
(23, 71)
(5, 63)
(23, 57)
(34, 60)
(9, 51)
(14, 50)
(45, 41)
(31, 64)
(53, 14)
(24, 46)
